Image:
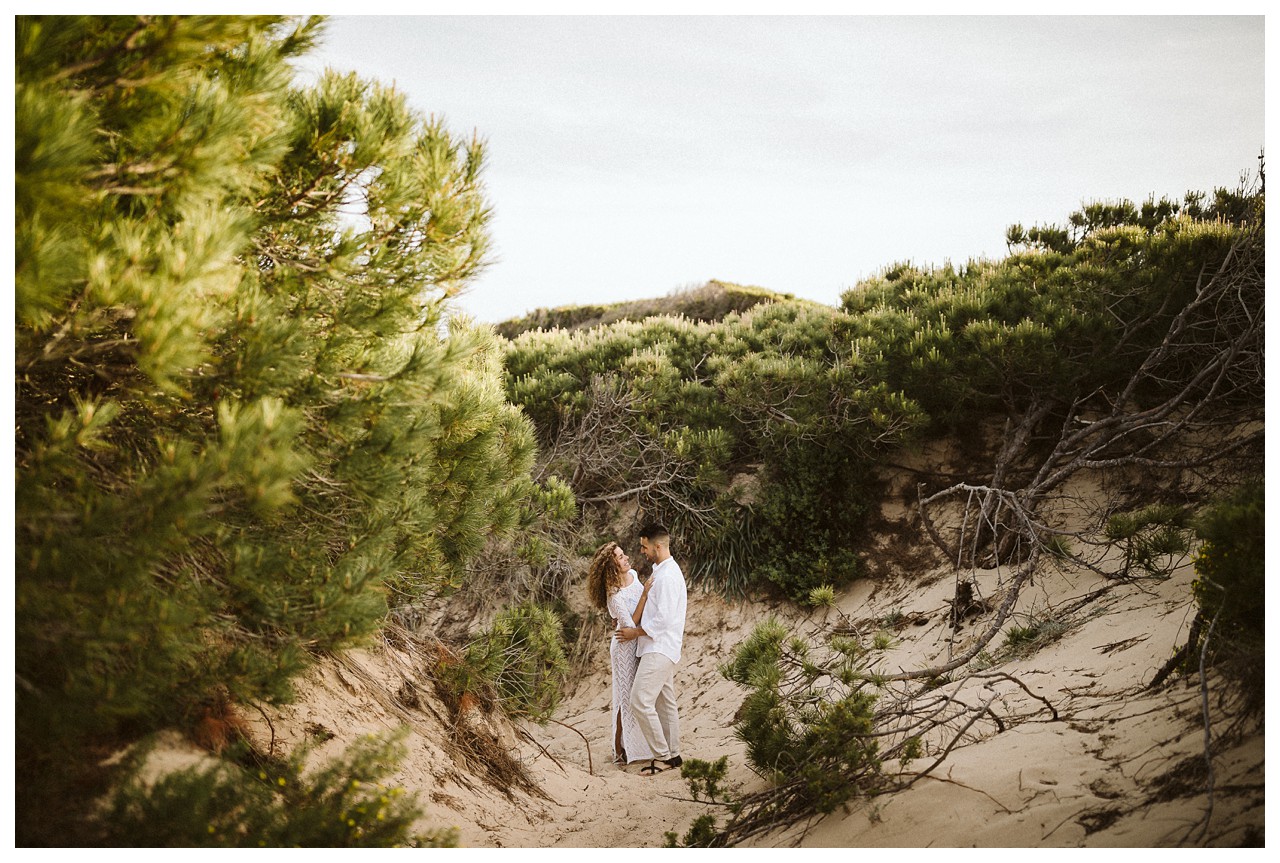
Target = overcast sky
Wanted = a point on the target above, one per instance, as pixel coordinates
(630, 156)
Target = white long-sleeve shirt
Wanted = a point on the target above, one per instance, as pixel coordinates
(663, 620)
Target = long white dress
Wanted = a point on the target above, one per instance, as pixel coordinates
(623, 661)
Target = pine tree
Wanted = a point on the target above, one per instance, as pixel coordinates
(244, 424)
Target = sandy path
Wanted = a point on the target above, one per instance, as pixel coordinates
(1085, 779)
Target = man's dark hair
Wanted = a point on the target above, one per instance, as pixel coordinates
(654, 530)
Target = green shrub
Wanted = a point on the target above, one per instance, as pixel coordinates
(723, 550)
(1059, 547)
(242, 425)
(807, 720)
(519, 661)
(810, 399)
(701, 834)
(1154, 538)
(1230, 562)
(1230, 584)
(281, 805)
(704, 777)
(1058, 320)
(811, 518)
(770, 393)
(1022, 641)
(712, 301)
(822, 596)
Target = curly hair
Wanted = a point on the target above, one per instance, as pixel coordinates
(603, 575)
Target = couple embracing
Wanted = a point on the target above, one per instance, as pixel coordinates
(644, 649)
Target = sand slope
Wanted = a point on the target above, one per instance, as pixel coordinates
(1093, 777)
(1120, 765)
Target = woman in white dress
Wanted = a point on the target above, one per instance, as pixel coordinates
(613, 586)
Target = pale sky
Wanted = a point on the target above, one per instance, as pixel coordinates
(631, 156)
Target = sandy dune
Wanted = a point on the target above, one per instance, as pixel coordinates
(1095, 776)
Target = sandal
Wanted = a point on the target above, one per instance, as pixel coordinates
(653, 769)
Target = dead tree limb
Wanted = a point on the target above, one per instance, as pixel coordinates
(1001, 675)
(533, 740)
(590, 766)
(977, 714)
(1180, 657)
(1208, 732)
(611, 453)
(1206, 372)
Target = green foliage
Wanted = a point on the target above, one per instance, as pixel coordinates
(712, 301)
(807, 719)
(704, 777)
(1230, 584)
(1230, 562)
(768, 391)
(343, 804)
(1058, 321)
(808, 400)
(726, 551)
(808, 524)
(1155, 538)
(754, 662)
(1059, 547)
(911, 750)
(519, 661)
(1023, 641)
(242, 427)
(1098, 216)
(551, 502)
(701, 834)
(822, 596)
(839, 745)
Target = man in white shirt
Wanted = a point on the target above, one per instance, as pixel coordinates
(658, 641)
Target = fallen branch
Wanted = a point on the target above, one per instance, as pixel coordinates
(1005, 676)
(531, 739)
(950, 781)
(590, 767)
(271, 747)
(977, 714)
(1181, 655)
(1208, 733)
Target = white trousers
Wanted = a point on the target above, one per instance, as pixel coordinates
(653, 702)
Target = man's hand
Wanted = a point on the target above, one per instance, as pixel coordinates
(628, 633)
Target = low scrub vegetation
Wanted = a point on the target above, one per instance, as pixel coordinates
(1230, 589)
(273, 804)
(672, 414)
(709, 302)
(517, 664)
